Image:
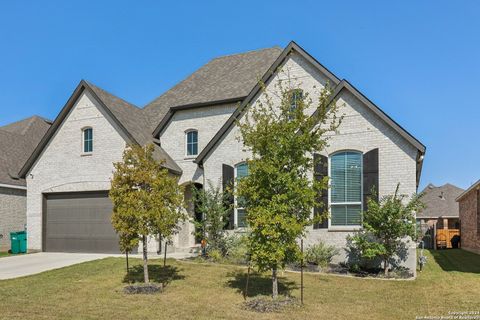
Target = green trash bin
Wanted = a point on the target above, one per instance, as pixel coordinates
(18, 242)
(14, 243)
(22, 237)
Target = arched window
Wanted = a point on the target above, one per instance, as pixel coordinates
(87, 136)
(241, 170)
(346, 188)
(191, 139)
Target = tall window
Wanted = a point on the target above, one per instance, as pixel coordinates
(346, 189)
(88, 140)
(296, 96)
(192, 143)
(241, 170)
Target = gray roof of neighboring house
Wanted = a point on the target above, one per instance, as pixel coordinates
(17, 142)
(440, 201)
(222, 78)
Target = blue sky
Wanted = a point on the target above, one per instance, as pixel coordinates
(418, 60)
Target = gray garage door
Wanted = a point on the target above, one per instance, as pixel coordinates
(79, 222)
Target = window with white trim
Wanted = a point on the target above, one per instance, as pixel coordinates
(191, 143)
(346, 189)
(87, 134)
(241, 170)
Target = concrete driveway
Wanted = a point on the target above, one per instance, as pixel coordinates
(28, 264)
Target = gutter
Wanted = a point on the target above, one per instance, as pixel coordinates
(11, 186)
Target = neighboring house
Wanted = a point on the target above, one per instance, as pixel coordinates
(193, 127)
(17, 142)
(469, 204)
(441, 210)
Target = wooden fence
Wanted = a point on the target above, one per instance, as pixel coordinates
(446, 238)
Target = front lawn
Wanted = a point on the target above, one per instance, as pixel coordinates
(93, 290)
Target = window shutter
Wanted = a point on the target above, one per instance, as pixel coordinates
(321, 171)
(228, 176)
(370, 176)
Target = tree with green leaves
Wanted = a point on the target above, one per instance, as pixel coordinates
(210, 202)
(282, 132)
(386, 226)
(147, 200)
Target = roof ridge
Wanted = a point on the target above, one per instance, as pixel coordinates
(247, 52)
(146, 106)
(189, 76)
(31, 120)
(91, 84)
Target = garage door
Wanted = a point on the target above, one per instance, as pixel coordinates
(79, 222)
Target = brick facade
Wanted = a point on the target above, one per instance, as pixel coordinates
(361, 130)
(12, 214)
(470, 220)
(63, 167)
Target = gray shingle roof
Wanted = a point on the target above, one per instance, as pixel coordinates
(17, 142)
(227, 77)
(222, 78)
(440, 201)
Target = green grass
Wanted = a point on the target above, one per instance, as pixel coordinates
(93, 290)
(4, 254)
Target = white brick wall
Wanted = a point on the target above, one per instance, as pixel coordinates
(361, 130)
(207, 120)
(63, 168)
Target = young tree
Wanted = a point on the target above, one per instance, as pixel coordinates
(386, 226)
(279, 194)
(147, 200)
(210, 203)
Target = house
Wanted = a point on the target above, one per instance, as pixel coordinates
(193, 126)
(440, 212)
(17, 142)
(469, 205)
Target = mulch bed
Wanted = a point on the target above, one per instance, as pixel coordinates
(143, 289)
(264, 305)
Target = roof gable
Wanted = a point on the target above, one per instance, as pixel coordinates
(339, 86)
(127, 118)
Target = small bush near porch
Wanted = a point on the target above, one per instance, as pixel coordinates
(94, 290)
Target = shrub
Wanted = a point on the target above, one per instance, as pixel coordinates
(215, 255)
(236, 249)
(320, 254)
(210, 203)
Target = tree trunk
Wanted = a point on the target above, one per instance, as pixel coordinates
(145, 260)
(245, 293)
(385, 266)
(128, 269)
(165, 254)
(301, 272)
(274, 283)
